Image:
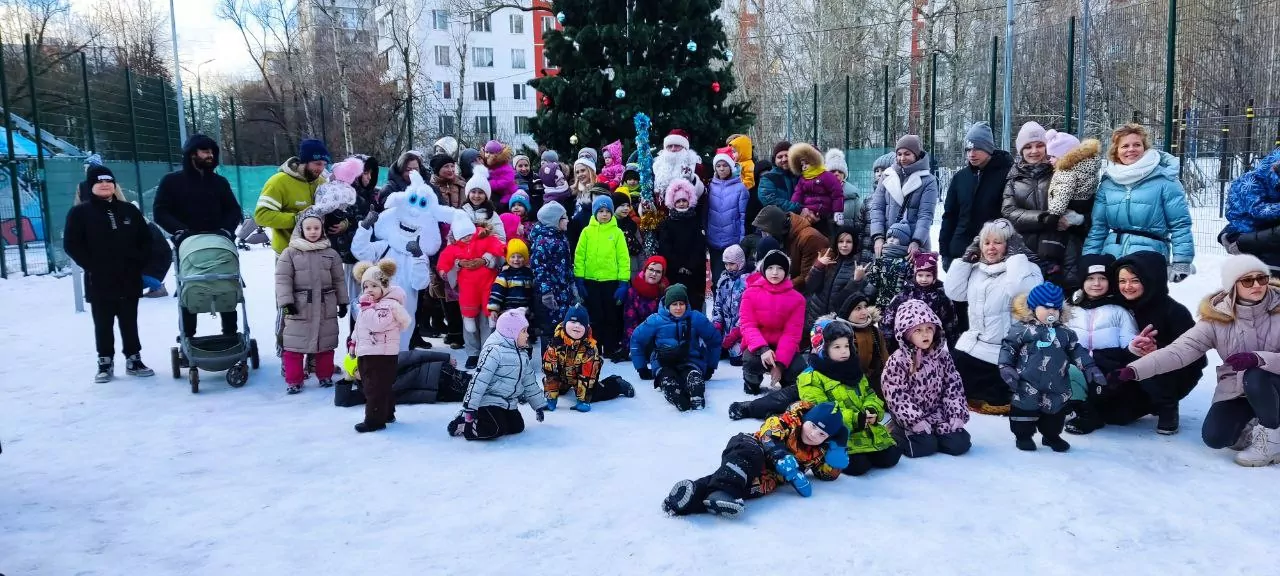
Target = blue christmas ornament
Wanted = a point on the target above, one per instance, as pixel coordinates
(666, 91)
(620, 93)
(560, 17)
(692, 46)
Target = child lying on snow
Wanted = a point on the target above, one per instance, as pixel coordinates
(806, 438)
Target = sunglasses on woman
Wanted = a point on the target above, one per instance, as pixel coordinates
(1251, 281)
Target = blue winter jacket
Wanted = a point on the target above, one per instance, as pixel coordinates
(1150, 214)
(775, 189)
(726, 212)
(661, 331)
(1254, 201)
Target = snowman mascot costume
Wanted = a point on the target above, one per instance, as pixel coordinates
(408, 232)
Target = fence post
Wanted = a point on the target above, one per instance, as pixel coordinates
(133, 139)
(933, 107)
(235, 142)
(168, 140)
(847, 110)
(39, 137)
(88, 106)
(1086, 9)
(195, 128)
(991, 89)
(1224, 162)
(491, 121)
(408, 107)
(13, 169)
(886, 107)
(1071, 73)
(1248, 135)
(1177, 148)
(815, 114)
(1170, 54)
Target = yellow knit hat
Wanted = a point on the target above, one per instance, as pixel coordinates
(517, 246)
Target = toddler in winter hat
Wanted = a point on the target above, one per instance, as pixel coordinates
(577, 313)
(900, 233)
(462, 226)
(522, 198)
(517, 246)
(1048, 295)
(493, 147)
(512, 322)
(1059, 143)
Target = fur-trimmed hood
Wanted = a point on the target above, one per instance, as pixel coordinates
(1023, 313)
(1090, 148)
(1220, 307)
(803, 152)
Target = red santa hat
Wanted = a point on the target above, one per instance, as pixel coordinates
(677, 136)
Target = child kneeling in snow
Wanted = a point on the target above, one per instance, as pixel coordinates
(311, 292)
(922, 388)
(572, 361)
(682, 345)
(806, 438)
(508, 377)
(377, 341)
(1034, 359)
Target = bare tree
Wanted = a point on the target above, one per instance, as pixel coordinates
(140, 34)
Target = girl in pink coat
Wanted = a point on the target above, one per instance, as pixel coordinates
(613, 169)
(377, 338)
(771, 320)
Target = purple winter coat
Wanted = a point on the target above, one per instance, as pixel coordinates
(726, 213)
(823, 195)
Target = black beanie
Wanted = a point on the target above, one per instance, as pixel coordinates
(439, 161)
(783, 146)
(775, 258)
(97, 173)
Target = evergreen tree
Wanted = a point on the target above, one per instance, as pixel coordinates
(611, 67)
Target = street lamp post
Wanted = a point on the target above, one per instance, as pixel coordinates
(198, 113)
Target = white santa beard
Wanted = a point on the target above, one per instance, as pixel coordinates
(668, 166)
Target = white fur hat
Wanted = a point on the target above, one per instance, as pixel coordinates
(1238, 266)
(480, 181)
(462, 226)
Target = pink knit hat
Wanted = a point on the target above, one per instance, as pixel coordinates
(1059, 143)
(512, 322)
(348, 170)
(680, 188)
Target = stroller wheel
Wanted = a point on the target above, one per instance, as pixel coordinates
(173, 357)
(238, 375)
(194, 377)
(253, 354)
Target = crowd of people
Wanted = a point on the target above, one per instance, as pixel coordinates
(1055, 310)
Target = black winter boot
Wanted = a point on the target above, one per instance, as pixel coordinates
(737, 410)
(722, 504)
(677, 502)
(1086, 421)
(1055, 443)
(697, 390)
(1023, 431)
(1168, 423)
(106, 370)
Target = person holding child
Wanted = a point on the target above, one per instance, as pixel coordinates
(311, 293)
(471, 264)
(377, 341)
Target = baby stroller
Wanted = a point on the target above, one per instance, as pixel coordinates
(251, 233)
(208, 276)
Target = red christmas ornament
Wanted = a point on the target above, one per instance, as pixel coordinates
(715, 87)
(546, 100)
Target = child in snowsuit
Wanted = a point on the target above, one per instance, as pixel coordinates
(1105, 328)
(629, 222)
(513, 288)
(552, 268)
(377, 341)
(818, 190)
(926, 288)
(642, 295)
(870, 344)
(311, 292)
(601, 265)
(630, 183)
(681, 240)
(806, 438)
(678, 349)
(1034, 358)
(572, 362)
(892, 269)
(730, 286)
(508, 377)
(471, 264)
(922, 388)
(772, 324)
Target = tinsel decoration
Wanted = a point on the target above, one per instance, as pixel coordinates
(650, 215)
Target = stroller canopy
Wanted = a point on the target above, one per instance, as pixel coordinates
(209, 274)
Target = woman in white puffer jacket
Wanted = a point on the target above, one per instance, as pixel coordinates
(994, 269)
(1105, 327)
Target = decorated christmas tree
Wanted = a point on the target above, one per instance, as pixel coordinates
(616, 58)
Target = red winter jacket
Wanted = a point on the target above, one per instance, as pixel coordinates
(473, 285)
(772, 316)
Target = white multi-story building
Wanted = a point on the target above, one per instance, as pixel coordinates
(481, 59)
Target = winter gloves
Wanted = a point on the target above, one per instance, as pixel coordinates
(620, 294)
(413, 249)
(551, 404)
(369, 220)
(837, 457)
(549, 302)
(789, 469)
(1244, 361)
(1178, 271)
(973, 253)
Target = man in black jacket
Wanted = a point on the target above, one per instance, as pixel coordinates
(975, 193)
(195, 200)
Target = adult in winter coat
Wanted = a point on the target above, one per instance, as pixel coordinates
(1026, 198)
(552, 270)
(772, 324)
(993, 270)
(856, 209)
(311, 290)
(195, 200)
(1141, 204)
(290, 191)
(726, 211)
(680, 242)
(507, 377)
(1072, 191)
(109, 239)
(923, 390)
(818, 191)
(1105, 328)
(444, 178)
(908, 193)
(398, 176)
(834, 278)
(643, 295)
(1253, 212)
(1143, 282)
(778, 184)
(974, 194)
(802, 243)
(1241, 323)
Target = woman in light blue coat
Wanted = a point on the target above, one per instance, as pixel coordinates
(1141, 205)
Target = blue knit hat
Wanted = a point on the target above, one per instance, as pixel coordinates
(1048, 295)
(577, 313)
(602, 201)
(828, 419)
(311, 150)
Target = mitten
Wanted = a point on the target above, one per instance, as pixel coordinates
(1074, 218)
(369, 220)
(1178, 271)
(646, 373)
(539, 414)
(1117, 377)
(1243, 361)
(837, 457)
(289, 310)
(413, 249)
(621, 293)
(342, 310)
(551, 404)
(1097, 378)
(581, 407)
(789, 469)
(972, 253)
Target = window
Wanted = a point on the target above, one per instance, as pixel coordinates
(517, 58)
(440, 19)
(481, 22)
(483, 123)
(446, 125)
(522, 125)
(484, 91)
(444, 89)
(482, 57)
(442, 55)
(520, 91)
(548, 24)
(517, 23)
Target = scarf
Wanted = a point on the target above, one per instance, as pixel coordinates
(869, 321)
(308, 246)
(848, 373)
(1131, 174)
(814, 171)
(646, 290)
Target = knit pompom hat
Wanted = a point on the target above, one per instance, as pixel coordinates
(1047, 294)
(734, 255)
(1238, 266)
(835, 161)
(577, 313)
(512, 322)
(479, 182)
(382, 272)
(520, 197)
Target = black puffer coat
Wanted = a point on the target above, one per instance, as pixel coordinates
(973, 199)
(427, 377)
(111, 242)
(826, 288)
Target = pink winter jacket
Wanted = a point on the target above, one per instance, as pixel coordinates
(502, 180)
(823, 195)
(378, 327)
(771, 316)
(1227, 329)
(927, 398)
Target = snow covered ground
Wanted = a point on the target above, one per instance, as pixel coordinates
(142, 477)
